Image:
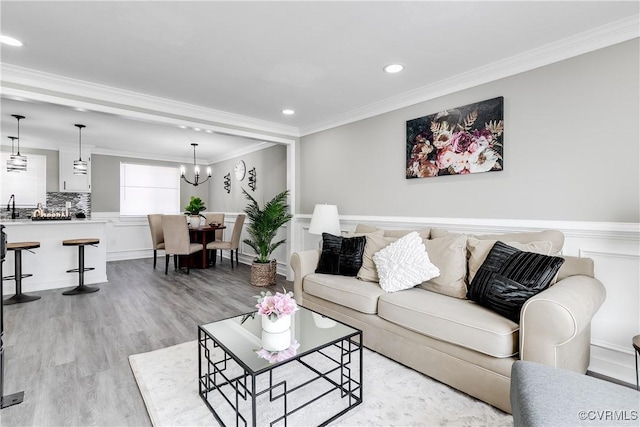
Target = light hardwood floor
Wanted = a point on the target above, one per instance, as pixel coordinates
(69, 354)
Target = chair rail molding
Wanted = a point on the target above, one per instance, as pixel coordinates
(614, 248)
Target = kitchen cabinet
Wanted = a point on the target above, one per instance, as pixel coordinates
(70, 182)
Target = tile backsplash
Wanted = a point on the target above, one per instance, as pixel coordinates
(56, 201)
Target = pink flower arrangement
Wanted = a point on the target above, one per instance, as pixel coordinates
(279, 356)
(274, 306)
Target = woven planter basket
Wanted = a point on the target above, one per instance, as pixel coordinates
(263, 274)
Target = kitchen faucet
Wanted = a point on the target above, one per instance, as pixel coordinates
(12, 207)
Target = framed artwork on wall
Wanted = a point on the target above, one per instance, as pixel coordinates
(458, 141)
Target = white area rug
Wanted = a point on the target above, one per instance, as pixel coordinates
(394, 395)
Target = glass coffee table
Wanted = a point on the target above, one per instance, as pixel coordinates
(310, 374)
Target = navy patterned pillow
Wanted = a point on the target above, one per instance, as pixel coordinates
(341, 255)
(509, 277)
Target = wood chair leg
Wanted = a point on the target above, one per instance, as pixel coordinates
(175, 262)
(237, 263)
(155, 258)
(231, 256)
(166, 264)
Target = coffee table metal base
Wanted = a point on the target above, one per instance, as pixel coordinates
(233, 394)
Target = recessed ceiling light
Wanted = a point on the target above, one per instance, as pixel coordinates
(196, 129)
(393, 68)
(288, 112)
(182, 127)
(80, 109)
(10, 40)
(208, 131)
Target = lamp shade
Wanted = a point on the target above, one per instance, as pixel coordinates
(325, 220)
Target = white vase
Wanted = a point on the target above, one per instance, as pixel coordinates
(276, 341)
(282, 324)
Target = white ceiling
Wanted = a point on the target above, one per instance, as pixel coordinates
(252, 59)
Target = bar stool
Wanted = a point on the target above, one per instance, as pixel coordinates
(81, 288)
(17, 248)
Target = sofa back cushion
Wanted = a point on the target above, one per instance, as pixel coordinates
(368, 271)
(425, 233)
(554, 236)
(449, 254)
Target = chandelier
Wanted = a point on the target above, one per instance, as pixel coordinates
(196, 170)
(17, 162)
(79, 166)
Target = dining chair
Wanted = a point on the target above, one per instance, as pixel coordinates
(233, 244)
(218, 218)
(177, 240)
(157, 235)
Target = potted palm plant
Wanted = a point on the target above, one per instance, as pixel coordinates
(263, 226)
(193, 209)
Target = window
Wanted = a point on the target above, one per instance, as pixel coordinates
(146, 189)
(30, 186)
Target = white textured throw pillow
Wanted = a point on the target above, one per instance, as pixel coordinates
(404, 264)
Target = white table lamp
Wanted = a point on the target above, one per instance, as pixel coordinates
(325, 220)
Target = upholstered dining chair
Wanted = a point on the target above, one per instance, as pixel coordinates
(177, 240)
(216, 217)
(233, 244)
(157, 236)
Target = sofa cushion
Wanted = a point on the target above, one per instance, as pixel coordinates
(341, 255)
(368, 270)
(347, 291)
(479, 249)
(449, 254)
(404, 264)
(425, 233)
(453, 320)
(554, 236)
(509, 277)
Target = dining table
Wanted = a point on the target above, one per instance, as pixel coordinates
(202, 234)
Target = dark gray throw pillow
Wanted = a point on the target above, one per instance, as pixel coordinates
(509, 277)
(341, 255)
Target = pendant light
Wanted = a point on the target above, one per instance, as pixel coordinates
(18, 162)
(10, 167)
(79, 166)
(196, 170)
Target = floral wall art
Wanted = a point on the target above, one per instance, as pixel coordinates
(458, 141)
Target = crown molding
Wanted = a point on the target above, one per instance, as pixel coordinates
(578, 44)
(29, 80)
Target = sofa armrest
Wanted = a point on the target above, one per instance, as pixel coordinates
(303, 263)
(555, 325)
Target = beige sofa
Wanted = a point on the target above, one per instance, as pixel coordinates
(457, 341)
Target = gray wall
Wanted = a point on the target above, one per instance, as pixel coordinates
(571, 151)
(105, 182)
(271, 171)
(270, 165)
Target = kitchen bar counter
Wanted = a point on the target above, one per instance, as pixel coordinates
(51, 260)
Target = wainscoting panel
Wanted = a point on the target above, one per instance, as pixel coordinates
(614, 247)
